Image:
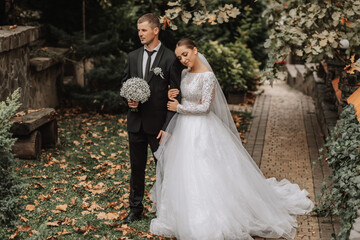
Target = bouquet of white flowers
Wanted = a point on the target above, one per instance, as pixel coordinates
(135, 89)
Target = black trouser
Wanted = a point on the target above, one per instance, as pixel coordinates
(138, 157)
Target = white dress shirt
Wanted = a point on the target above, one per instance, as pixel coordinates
(153, 56)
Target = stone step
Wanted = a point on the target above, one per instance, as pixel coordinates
(41, 63)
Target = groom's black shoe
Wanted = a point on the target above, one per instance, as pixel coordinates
(131, 217)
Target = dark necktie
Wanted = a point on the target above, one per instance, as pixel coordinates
(148, 62)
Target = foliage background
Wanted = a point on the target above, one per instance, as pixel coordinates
(111, 33)
(311, 30)
(341, 196)
(10, 186)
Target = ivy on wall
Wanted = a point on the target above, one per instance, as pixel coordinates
(341, 196)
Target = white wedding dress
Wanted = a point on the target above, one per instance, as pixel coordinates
(208, 187)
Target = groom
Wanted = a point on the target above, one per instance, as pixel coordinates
(146, 126)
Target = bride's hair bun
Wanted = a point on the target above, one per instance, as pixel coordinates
(186, 42)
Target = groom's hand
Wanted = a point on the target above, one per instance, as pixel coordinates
(133, 104)
(160, 135)
(172, 93)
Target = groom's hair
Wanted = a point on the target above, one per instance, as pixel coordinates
(151, 18)
(186, 42)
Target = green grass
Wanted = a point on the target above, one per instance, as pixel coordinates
(89, 167)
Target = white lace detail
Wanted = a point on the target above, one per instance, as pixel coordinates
(197, 91)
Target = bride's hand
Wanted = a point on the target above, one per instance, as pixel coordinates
(172, 93)
(172, 105)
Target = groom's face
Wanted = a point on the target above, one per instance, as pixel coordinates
(146, 33)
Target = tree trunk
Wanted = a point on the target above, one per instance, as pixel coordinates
(83, 18)
(28, 147)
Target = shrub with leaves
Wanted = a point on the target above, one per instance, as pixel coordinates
(233, 65)
(342, 196)
(313, 30)
(198, 12)
(9, 186)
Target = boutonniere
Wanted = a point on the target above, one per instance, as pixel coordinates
(158, 71)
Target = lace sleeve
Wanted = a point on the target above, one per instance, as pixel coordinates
(207, 96)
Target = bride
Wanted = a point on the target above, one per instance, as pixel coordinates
(208, 187)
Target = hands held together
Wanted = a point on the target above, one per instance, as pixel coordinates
(172, 104)
(133, 104)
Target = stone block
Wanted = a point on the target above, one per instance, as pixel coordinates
(291, 70)
(41, 63)
(18, 37)
(354, 235)
(38, 88)
(300, 72)
(356, 225)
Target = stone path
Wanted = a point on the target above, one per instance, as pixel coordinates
(283, 139)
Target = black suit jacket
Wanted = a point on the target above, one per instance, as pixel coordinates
(153, 114)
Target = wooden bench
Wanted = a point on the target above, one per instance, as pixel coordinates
(34, 129)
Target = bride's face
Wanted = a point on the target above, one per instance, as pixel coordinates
(186, 55)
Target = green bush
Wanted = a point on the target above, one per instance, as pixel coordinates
(341, 196)
(233, 65)
(10, 188)
(249, 65)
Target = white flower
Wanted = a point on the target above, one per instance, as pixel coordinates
(135, 89)
(158, 71)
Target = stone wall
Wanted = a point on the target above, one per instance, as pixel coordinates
(37, 78)
(14, 71)
(305, 78)
(355, 231)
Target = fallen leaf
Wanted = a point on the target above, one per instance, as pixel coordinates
(63, 166)
(61, 207)
(82, 178)
(111, 204)
(53, 224)
(94, 206)
(23, 219)
(24, 228)
(112, 216)
(101, 215)
(66, 221)
(30, 207)
(43, 197)
(73, 201)
(85, 229)
(14, 234)
(64, 232)
(85, 212)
